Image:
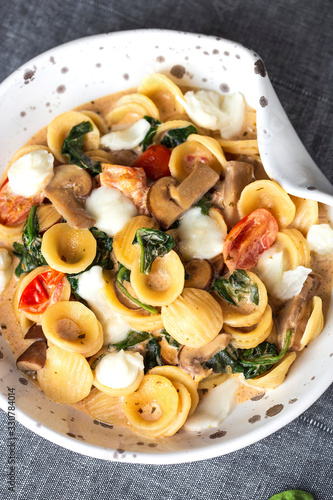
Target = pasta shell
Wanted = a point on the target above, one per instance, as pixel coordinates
(130, 108)
(169, 125)
(105, 408)
(66, 376)
(301, 244)
(276, 376)
(163, 92)
(60, 127)
(183, 412)
(242, 340)
(98, 121)
(47, 216)
(194, 318)
(306, 214)
(315, 323)
(247, 147)
(213, 380)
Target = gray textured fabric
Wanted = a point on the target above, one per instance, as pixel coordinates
(295, 40)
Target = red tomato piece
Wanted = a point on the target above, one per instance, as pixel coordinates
(43, 290)
(154, 161)
(254, 234)
(14, 208)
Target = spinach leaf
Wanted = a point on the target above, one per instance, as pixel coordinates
(124, 274)
(170, 340)
(205, 204)
(177, 136)
(73, 148)
(29, 253)
(292, 495)
(104, 249)
(237, 287)
(257, 369)
(149, 137)
(153, 243)
(133, 337)
(152, 355)
(225, 361)
(263, 354)
(74, 283)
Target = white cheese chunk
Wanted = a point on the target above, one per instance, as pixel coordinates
(91, 288)
(118, 370)
(291, 283)
(320, 239)
(110, 208)
(214, 407)
(126, 139)
(199, 236)
(5, 268)
(29, 174)
(213, 111)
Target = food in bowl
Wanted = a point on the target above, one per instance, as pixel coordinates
(158, 275)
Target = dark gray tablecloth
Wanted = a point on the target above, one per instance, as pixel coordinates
(294, 37)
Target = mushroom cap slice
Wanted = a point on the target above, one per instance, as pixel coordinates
(160, 204)
(33, 358)
(201, 274)
(35, 332)
(66, 190)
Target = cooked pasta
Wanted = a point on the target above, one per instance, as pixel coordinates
(194, 276)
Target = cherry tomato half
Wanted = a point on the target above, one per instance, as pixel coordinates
(43, 290)
(154, 161)
(249, 238)
(14, 208)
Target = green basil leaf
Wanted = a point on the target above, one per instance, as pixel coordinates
(292, 495)
(177, 136)
(225, 361)
(237, 287)
(149, 137)
(124, 274)
(153, 243)
(133, 337)
(73, 148)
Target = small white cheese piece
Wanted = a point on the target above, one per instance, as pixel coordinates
(126, 139)
(291, 283)
(91, 288)
(118, 370)
(110, 208)
(320, 239)
(214, 407)
(29, 174)
(5, 268)
(213, 111)
(199, 236)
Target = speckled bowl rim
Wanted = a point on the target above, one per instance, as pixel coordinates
(215, 448)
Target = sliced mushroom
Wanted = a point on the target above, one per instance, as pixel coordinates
(201, 274)
(67, 190)
(295, 313)
(33, 358)
(160, 204)
(194, 186)
(124, 157)
(191, 359)
(218, 264)
(35, 332)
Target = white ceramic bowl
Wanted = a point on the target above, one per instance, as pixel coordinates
(83, 70)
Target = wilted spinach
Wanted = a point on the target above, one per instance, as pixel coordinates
(237, 287)
(149, 137)
(29, 252)
(205, 203)
(177, 136)
(224, 361)
(124, 274)
(152, 355)
(73, 148)
(153, 243)
(133, 337)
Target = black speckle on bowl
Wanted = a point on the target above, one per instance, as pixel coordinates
(263, 101)
(274, 410)
(259, 68)
(178, 71)
(218, 434)
(254, 419)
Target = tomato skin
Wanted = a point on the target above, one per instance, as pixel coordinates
(249, 238)
(154, 161)
(14, 208)
(44, 288)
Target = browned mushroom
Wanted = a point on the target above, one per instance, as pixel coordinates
(201, 274)
(33, 358)
(160, 203)
(35, 332)
(67, 190)
(295, 313)
(201, 179)
(217, 263)
(191, 359)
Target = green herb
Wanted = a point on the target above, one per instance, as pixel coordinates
(29, 253)
(171, 341)
(292, 495)
(224, 361)
(73, 148)
(177, 136)
(104, 249)
(149, 137)
(152, 355)
(265, 356)
(153, 243)
(133, 337)
(205, 203)
(124, 274)
(237, 287)
(74, 283)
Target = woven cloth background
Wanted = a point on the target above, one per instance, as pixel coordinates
(295, 39)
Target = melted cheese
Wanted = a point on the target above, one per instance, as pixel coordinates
(126, 139)
(29, 174)
(91, 288)
(110, 208)
(216, 112)
(199, 236)
(118, 370)
(320, 239)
